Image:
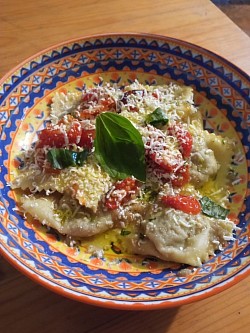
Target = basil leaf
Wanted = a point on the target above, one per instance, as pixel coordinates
(61, 158)
(212, 209)
(119, 147)
(157, 118)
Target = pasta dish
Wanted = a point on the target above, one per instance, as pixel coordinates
(136, 160)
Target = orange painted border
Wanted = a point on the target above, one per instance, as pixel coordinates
(126, 305)
(115, 305)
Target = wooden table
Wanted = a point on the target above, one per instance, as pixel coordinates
(29, 26)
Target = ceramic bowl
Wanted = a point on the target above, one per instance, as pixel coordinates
(222, 92)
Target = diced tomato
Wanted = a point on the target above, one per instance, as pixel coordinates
(158, 152)
(74, 133)
(50, 137)
(128, 184)
(95, 102)
(67, 132)
(187, 204)
(184, 138)
(125, 100)
(181, 176)
(167, 164)
(87, 138)
(108, 103)
(91, 96)
(155, 94)
(122, 193)
(170, 165)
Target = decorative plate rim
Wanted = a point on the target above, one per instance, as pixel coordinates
(118, 304)
(113, 34)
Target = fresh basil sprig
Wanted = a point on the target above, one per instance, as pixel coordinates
(212, 209)
(157, 118)
(119, 147)
(61, 158)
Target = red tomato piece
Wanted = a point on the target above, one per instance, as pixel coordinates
(155, 94)
(95, 102)
(91, 96)
(170, 165)
(67, 132)
(159, 153)
(50, 137)
(122, 193)
(187, 204)
(87, 138)
(181, 176)
(167, 164)
(184, 138)
(108, 103)
(74, 133)
(128, 184)
(125, 98)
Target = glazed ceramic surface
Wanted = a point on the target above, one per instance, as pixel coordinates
(222, 92)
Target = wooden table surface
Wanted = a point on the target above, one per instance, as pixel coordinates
(29, 26)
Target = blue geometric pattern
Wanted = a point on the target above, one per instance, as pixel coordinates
(210, 75)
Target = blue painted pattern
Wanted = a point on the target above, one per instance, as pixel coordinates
(180, 61)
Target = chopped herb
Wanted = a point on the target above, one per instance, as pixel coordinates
(61, 158)
(125, 232)
(149, 194)
(212, 209)
(157, 118)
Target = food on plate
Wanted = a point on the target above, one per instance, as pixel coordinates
(135, 162)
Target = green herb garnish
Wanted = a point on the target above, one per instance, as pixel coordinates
(149, 195)
(157, 118)
(125, 232)
(61, 158)
(212, 209)
(119, 147)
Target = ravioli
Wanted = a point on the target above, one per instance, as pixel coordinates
(66, 215)
(176, 236)
(87, 183)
